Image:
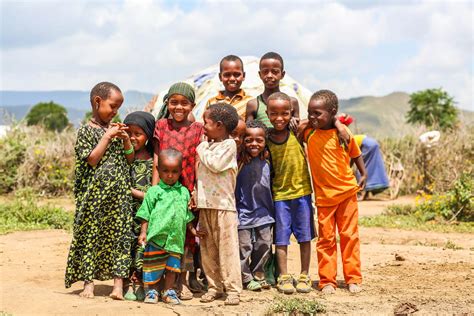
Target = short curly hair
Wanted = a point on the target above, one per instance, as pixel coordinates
(272, 55)
(225, 113)
(258, 124)
(170, 153)
(102, 90)
(329, 98)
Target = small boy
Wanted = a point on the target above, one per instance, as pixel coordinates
(216, 174)
(255, 208)
(231, 74)
(336, 193)
(291, 192)
(271, 71)
(164, 216)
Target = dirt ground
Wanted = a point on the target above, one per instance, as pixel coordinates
(433, 279)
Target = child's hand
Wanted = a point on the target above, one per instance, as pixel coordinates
(294, 123)
(362, 182)
(265, 154)
(142, 239)
(192, 201)
(113, 131)
(344, 138)
(198, 233)
(304, 125)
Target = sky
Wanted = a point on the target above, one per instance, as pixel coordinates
(354, 48)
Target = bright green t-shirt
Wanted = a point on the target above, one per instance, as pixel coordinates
(165, 208)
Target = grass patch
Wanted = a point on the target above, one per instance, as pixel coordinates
(295, 306)
(24, 213)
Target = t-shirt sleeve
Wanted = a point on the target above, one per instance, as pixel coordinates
(85, 143)
(148, 204)
(158, 130)
(306, 134)
(218, 158)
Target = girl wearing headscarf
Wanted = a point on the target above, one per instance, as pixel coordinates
(141, 126)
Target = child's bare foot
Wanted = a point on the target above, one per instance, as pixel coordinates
(328, 289)
(354, 288)
(117, 292)
(88, 291)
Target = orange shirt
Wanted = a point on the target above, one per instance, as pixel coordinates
(239, 101)
(333, 179)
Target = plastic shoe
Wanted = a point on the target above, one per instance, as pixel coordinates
(253, 286)
(304, 284)
(151, 297)
(285, 284)
(170, 297)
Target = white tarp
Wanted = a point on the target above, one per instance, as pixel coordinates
(207, 84)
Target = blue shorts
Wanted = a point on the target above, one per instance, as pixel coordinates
(294, 216)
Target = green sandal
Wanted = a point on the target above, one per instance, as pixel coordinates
(253, 286)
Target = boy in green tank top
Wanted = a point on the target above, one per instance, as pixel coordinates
(271, 71)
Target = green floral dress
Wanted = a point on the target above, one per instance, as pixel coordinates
(102, 236)
(141, 172)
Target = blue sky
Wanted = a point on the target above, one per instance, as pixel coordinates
(351, 47)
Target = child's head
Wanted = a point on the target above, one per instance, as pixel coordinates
(180, 101)
(170, 165)
(106, 99)
(231, 73)
(322, 108)
(255, 136)
(238, 133)
(220, 120)
(141, 126)
(279, 110)
(271, 70)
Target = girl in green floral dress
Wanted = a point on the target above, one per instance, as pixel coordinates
(102, 236)
(140, 129)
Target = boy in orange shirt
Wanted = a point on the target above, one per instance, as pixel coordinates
(336, 193)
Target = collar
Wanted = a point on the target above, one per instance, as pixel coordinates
(163, 185)
(241, 94)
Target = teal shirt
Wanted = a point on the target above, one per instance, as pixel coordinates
(165, 208)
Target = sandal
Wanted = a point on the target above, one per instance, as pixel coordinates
(170, 297)
(210, 297)
(253, 286)
(185, 294)
(264, 284)
(151, 297)
(232, 299)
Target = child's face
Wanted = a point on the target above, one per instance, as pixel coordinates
(232, 75)
(179, 107)
(138, 137)
(319, 115)
(254, 141)
(215, 131)
(279, 113)
(169, 170)
(238, 133)
(108, 108)
(271, 72)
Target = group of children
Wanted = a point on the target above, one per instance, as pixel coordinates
(158, 201)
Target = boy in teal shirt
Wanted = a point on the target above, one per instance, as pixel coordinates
(164, 217)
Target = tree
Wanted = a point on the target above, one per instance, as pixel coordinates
(48, 114)
(433, 108)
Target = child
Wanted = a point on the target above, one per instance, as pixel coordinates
(255, 208)
(238, 135)
(100, 247)
(180, 133)
(164, 216)
(271, 71)
(231, 74)
(336, 193)
(140, 130)
(291, 193)
(216, 174)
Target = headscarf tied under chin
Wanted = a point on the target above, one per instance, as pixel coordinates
(181, 88)
(146, 121)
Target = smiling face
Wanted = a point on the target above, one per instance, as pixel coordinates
(169, 169)
(179, 107)
(238, 133)
(279, 113)
(138, 137)
(105, 110)
(271, 72)
(232, 75)
(254, 141)
(320, 116)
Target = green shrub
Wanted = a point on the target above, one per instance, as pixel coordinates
(13, 148)
(295, 306)
(50, 115)
(23, 213)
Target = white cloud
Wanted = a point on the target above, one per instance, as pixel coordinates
(145, 45)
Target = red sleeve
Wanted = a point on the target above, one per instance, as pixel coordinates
(159, 127)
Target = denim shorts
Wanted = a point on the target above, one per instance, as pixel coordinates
(294, 216)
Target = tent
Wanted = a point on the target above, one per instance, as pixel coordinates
(207, 84)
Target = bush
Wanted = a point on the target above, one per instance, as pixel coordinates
(23, 213)
(50, 115)
(295, 306)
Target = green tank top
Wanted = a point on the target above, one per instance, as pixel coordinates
(261, 114)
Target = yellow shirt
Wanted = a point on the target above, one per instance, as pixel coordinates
(332, 176)
(239, 101)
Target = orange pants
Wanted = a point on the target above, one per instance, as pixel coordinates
(345, 215)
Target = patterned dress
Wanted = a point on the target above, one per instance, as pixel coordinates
(102, 238)
(141, 180)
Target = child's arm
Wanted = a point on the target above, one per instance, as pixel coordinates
(342, 133)
(199, 233)
(137, 194)
(251, 109)
(219, 159)
(363, 173)
(142, 237)
(127, 144)
(302, 128)
(295, 115)
(98, 152)
(155, 177)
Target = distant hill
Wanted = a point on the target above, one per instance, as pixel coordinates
(17, 103)
(375, 116)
